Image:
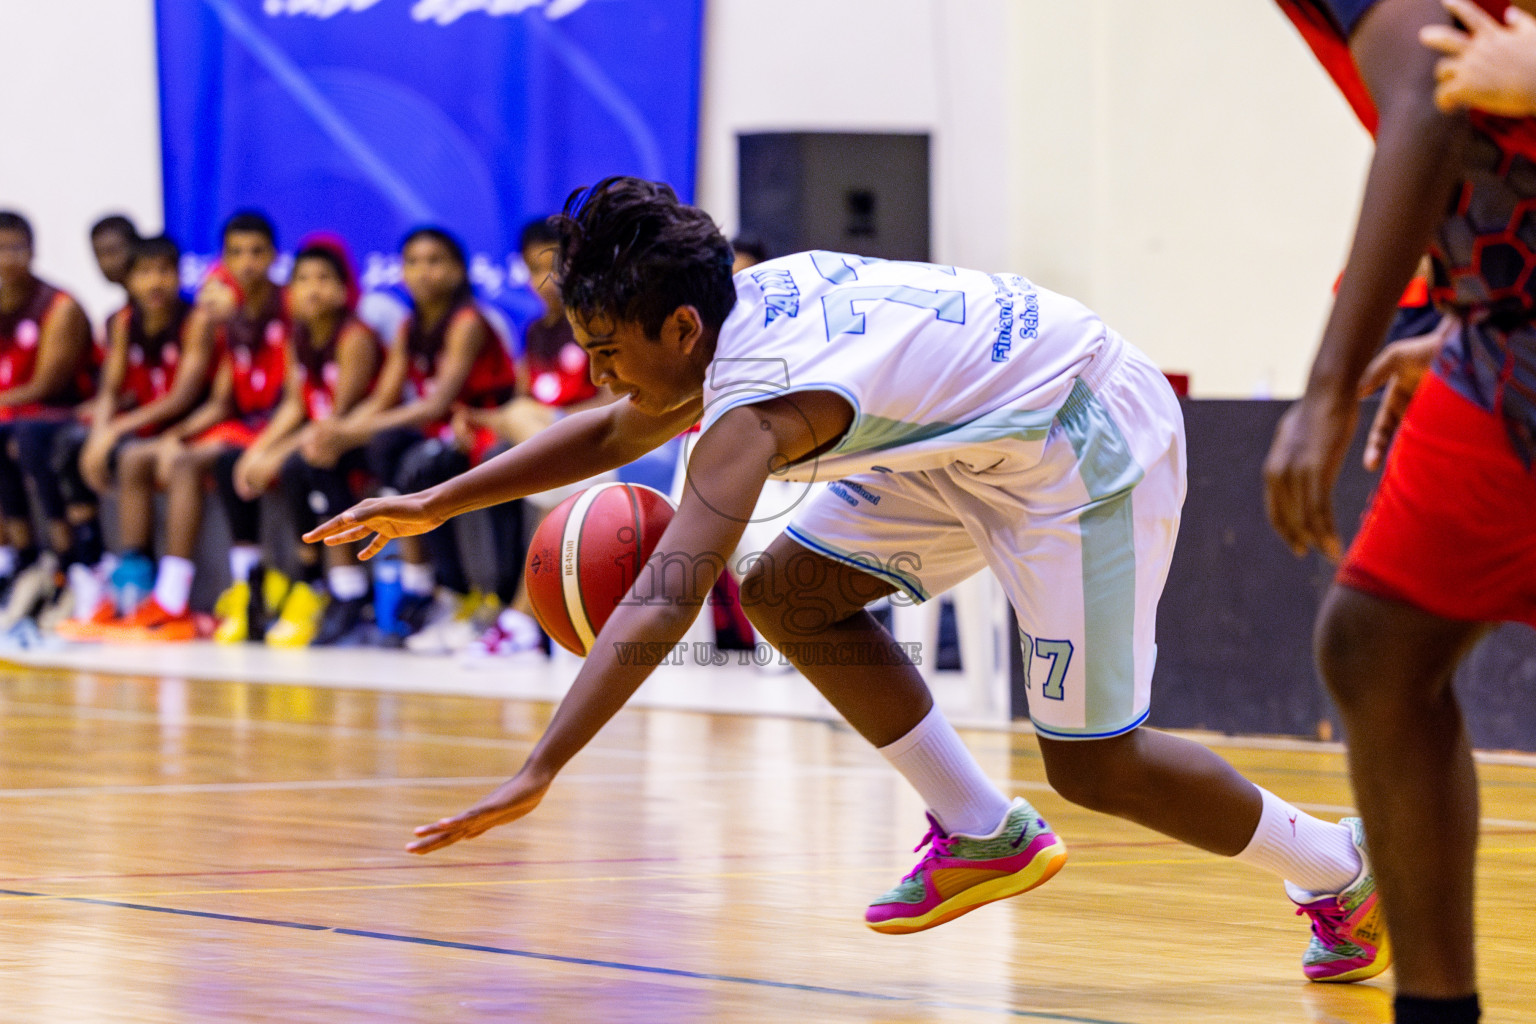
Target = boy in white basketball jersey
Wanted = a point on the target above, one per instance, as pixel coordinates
(969, 420)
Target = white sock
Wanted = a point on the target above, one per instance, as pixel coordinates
(242, 559)
(87, 588)
(7, 561)
(417, 579)
(937, 764)
(346, 582)
(1315, 855)
(173, 583)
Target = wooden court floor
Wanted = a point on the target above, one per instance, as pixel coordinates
(205, 852)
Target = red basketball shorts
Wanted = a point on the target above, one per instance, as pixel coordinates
(1452, 528)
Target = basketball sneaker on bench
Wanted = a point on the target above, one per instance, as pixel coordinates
(962, 872)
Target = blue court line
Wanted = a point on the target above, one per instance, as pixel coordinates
(615, 965)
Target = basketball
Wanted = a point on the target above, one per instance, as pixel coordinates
(587, 554)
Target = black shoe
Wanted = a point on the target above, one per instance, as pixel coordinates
(412, 613)
(340, 619)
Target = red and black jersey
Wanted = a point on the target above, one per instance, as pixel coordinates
(153, 359)
(559, 371)
(319, 368)
(1484, 253)
(21, 331)
(256, 348)
(492, 377)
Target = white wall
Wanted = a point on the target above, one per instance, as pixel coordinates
(82, 130)
(1192, 177)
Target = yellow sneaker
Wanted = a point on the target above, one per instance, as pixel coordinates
(300, 620)
(233, 610)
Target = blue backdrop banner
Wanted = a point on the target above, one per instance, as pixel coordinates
(367, 117)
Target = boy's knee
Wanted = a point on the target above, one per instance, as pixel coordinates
(1100, 775)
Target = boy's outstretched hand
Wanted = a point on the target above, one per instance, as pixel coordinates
(511, 800)
(400, 515)
(1490, 66)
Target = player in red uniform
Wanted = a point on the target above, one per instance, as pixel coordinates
(45, 372)
(156, 368)
(113, 239)
(1448, 545)
(447, 354)
(250, 339)
(555, 381)
(334, 361)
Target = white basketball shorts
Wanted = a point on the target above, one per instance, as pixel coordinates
(1079, 528)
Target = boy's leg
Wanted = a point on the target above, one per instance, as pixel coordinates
(984, 848)
(81, 505)
(17, 548)
(136, 497)
(1389, 667)
(247, 605)
(35, 441)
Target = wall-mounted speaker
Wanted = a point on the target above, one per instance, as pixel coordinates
(845, 191)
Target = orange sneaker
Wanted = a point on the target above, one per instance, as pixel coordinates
(90, 628)
(151, 623)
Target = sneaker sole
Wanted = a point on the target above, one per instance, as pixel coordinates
(1037, 872)
(1381, 963)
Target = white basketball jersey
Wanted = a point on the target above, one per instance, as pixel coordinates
(940, 364)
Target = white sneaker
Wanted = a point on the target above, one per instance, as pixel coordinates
(455, 622)
(33, 588)
(513, 634)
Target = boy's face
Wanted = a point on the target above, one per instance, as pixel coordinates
(153, 283)
(113, 254)
(430, 272)
(658, 374)
(315, 291)
(540, 260)
(15, 257)
(248, 257)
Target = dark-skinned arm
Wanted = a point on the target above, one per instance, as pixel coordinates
(65, 337)
(728, 468)
(460, 350)
(567, 452)
(219, 406)
(1417, 160)
(191, 381)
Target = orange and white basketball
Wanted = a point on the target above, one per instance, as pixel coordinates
(587, 554)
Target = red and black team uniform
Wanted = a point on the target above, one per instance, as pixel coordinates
(406, 459)
(559, 373)
(316, 493)
(1450, 529)
(255, 347)
(492, 378)
(35, 427)
(154, 360)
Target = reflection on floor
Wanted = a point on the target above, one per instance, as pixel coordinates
(180, 850)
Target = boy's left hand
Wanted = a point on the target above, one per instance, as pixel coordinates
(1490, 66)
(513, 799)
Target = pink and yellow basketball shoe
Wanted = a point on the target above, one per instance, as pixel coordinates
(1349, 933)
(962, 872)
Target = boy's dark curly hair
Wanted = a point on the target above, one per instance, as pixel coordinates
(629, 250)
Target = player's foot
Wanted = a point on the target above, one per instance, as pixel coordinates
(31, 591)
(1349, 933)
(512, 634)
(342, 620)
(130, 581)
(151, 623)
(455, 623)
(961, 872)
(232, 611)
(300, 619)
